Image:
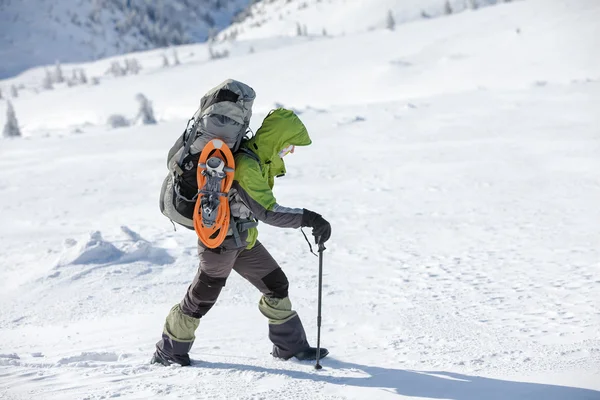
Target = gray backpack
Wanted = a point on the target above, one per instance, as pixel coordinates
(224, 114)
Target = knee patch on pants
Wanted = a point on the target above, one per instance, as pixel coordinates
(277, 284)
(209, 281)
(202, 295)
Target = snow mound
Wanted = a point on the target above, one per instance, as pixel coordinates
(11, 359)
(96, 250)
(139, 249)
(83, 359)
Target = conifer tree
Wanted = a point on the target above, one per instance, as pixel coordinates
(58, 73)
(47, 82)
(390, 22)
(447, 8)
(82, 77)
(146, 112)
(11, 127)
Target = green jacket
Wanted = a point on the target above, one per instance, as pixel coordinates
(254, 180)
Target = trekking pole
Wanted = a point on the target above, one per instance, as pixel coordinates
(321, 249)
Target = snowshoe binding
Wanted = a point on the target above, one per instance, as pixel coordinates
(216, 169)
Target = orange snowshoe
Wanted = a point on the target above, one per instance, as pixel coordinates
(215, 175)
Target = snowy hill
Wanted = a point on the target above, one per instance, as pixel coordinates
(38, 32)
(275, 18)
(457, 158)
(444, 55)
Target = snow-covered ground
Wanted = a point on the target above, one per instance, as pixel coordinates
(457, 160)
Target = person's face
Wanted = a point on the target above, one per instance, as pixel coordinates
(287, 150)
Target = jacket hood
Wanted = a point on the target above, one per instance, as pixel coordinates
(279, 129)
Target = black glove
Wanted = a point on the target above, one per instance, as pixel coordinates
(321, 229)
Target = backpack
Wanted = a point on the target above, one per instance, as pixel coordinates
(223, 118)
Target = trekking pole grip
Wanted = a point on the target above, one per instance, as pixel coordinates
(322, 247)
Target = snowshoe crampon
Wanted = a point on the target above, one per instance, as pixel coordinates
(216, 168)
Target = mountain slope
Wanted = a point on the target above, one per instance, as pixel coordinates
(39, 32)
(273, 18)
(488, 51)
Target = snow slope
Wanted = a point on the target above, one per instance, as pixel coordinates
(510, 46)
(457, 160)
(269, 18)
(38, 32)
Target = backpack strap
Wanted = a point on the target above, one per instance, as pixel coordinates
(242, 225)
(250, 154)
(236, 232)
(187, 144)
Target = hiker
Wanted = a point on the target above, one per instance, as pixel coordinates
(258, 161)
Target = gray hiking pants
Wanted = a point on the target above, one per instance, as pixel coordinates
(257, 267)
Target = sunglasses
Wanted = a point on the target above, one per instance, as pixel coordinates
(287, 150)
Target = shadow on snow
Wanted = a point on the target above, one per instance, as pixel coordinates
(428, 384)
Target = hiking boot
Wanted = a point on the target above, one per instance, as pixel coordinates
(159, 358)
(307, 354)
(311, 354)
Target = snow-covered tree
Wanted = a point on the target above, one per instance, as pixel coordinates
(447, 8)
(58, 74)
(117, 121)
(175, 57)
(473, 4)
(95, 80)
(132, 66)
(324, 32)
(304, 31)
(47, 81)
(165, 61)
(298, 29)
(74, 79)
(215, 54)
(82, 77)
(116, 69)
(11, 127)
(14, 92)
(146, 112)
(1, 94)
(390, 22)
